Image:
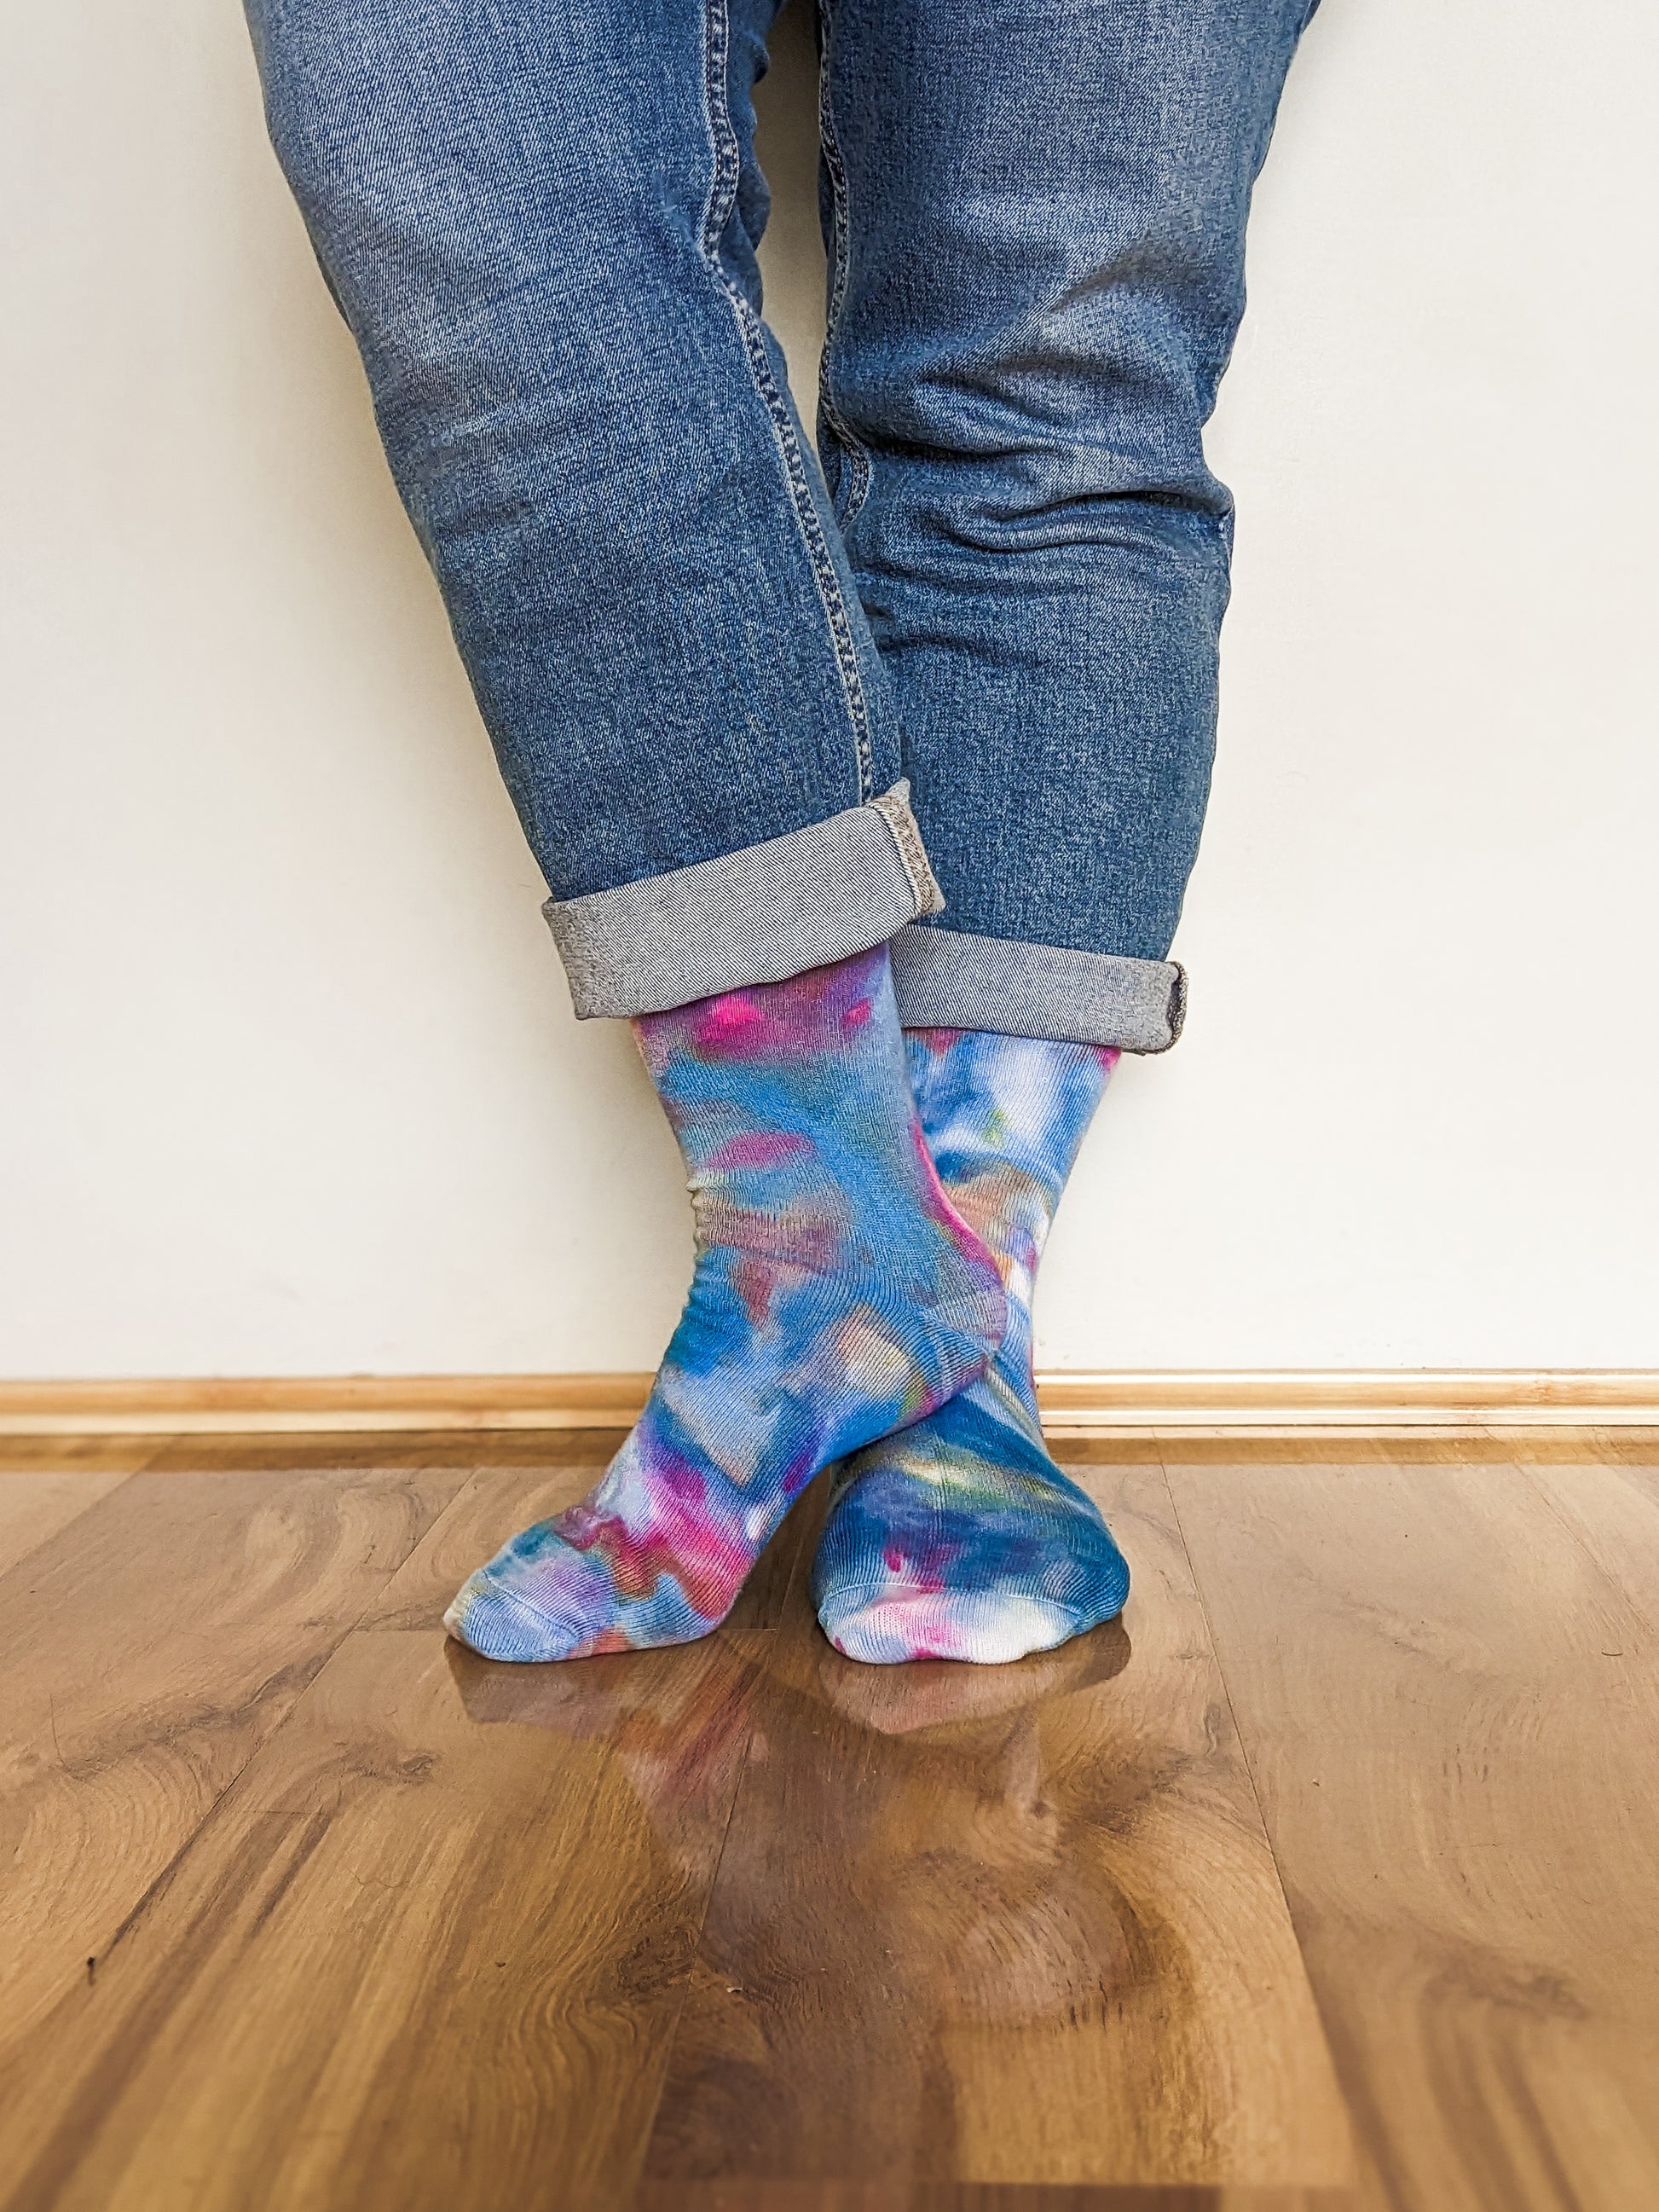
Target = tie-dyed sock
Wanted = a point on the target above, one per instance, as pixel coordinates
(836, 1295)
(961, 1538)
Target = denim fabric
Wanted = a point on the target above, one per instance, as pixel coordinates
(1037, 218)
(540, 218)
(768, 912)
(947, 979)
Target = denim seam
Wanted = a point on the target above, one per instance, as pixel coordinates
(894, 808)
(861, 469)
(722, 195)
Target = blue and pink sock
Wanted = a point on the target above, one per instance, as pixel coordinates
(837, 1295)
(960, 1538)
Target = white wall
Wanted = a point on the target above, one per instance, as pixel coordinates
(290, 1083)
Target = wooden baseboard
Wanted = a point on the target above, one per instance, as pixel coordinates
(1073, 1404)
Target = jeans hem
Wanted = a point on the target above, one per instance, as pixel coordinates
(946, 979)
(806, 900)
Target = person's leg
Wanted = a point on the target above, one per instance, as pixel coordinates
(1036, 219)
(540, 223)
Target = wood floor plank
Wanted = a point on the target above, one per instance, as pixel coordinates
(498, 1501)
(36, 1503)
(47, 1482)
(146, 1651)
(1001, 1925)
(1612, 1507)
(429, 1950)
(1452, 1716)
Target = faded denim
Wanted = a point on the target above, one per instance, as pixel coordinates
(700, 659)
(771, 911)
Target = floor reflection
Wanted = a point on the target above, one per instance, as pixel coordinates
(904, 1862)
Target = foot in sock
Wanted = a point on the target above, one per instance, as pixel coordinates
(836, 1295)
(960, 1538)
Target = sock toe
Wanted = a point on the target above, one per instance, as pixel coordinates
(900, 1574)
(496, 1625)
(887, 1626)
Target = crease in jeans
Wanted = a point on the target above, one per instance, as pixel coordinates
(722, 195)
(859, 467)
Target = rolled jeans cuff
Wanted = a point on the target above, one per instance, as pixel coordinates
(819, 895)
(947, 979)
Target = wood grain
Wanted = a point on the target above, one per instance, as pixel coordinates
(146, 1651)
(1610, 1503)
(51, 1481)
(1015, 1924)
(430, 1949)
(1451, 1712)
(746, 1928)
(36, 1505)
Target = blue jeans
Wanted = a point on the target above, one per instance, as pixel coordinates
(956, 686)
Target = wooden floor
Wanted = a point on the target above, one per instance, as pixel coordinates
(1328, 1878)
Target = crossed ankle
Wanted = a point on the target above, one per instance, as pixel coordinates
(837, 1296)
